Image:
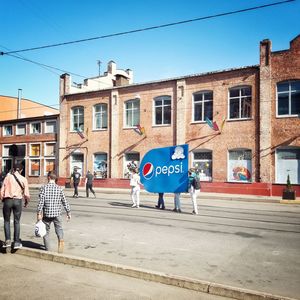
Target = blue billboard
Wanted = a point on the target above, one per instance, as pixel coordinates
(165, 170)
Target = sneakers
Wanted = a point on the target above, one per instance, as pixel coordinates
(95, 196)
(17, 245)
(133, 205)
(6, 244)
(194, 213)
(177, 210)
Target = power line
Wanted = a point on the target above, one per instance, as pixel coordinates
(149, 28)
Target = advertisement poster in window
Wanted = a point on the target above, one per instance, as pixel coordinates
(239, 166)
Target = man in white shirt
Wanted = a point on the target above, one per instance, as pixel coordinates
(135, 188)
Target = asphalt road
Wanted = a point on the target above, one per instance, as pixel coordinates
(249, 245)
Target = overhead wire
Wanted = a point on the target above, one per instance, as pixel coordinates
(148, 28)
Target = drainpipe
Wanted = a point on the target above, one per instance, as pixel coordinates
(19, 103)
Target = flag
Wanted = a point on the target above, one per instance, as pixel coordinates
(209, 123)
(215, 126)
(140, 130)
(222, 125)
(80, 133)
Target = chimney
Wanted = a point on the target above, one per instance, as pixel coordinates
(111, 67)
(265, 52)
(19, 103)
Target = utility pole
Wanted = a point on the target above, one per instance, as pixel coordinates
(99, 66)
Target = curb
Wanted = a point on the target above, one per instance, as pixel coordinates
(290, 201)
(183, 282)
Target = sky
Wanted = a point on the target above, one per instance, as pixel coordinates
(209, 45)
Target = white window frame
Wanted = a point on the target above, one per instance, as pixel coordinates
(194, 162)
(100, 153)
(45, 126)
(134, 110)
(31, 128)
(240, 98)
(103, 111)
(45, 149)
(48, 159)
(203, 101)
(73, 165)
(163, 98)
(228, 162)
(4, 159)
(276, 164)
(78, 117)
(126, 162)
(290, 91)
(17, 128)
(12, 130)
(33, 156)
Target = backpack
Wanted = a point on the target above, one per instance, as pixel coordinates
(196, 183)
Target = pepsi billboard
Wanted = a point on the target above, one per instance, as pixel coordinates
(165, 170)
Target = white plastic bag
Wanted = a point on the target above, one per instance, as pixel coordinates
(40, 229)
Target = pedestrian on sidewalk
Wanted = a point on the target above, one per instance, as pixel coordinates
(177, 206)
(13, 191)
(89, 184)
(76, 181)
(161, 202)
(194, 188)
(135, 182)
(49, 209)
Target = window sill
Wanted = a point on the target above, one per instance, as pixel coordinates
(239, 120)
(100, 129)
(162, 125)
(287, 116)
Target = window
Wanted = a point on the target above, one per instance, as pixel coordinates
(240, 165)
(100, 165)
(100, 116)
(288, 98)
(203, 106)
(6, 166)
(7, 130)
(132, 113)
(240, 103)
(77, 119)
(50, 127)
(130, 160)
(35, 128)
(77, 162)
(162, 110)
(202, 162)
(288, 163)
(6, 150)
(49, 165)
(21, 129)
(35, 165)
(35, 150)
(50, 149)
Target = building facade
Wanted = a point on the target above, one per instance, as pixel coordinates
(241, 125)
(28, 137)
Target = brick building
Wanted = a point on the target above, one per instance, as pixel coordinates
(28, 135)
(242, 125)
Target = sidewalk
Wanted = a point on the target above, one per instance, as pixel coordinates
(202, 195)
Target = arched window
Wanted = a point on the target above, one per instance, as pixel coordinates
(162, 110)
(240, 99)
(100, 116)
(202, 106)
(100, 165)
(77, 119)
(202, 162)
(132, 112)
(131, 160)
(288, 98)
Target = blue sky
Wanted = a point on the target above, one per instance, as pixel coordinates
(203, 46)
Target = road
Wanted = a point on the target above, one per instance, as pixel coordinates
(242, 244)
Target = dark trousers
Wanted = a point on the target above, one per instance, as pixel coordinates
(76, 189)
(161, 202)
(89, 187)
(14, 205)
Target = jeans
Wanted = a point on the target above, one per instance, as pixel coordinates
(89, 187)
(76, 189)
(177, 201)
(14, 205)
(58, 229)
(161, 202)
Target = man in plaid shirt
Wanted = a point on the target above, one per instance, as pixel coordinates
(49, 209)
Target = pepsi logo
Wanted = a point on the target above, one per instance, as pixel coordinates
(148, 171)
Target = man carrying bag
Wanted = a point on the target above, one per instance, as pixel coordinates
(13, 191)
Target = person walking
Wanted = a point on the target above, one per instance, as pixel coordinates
(161, 202)
(76, 180)
(13, 191)
(135, 188)
(89, 184)
(177, 206)
(49, 209)
(194, 187)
